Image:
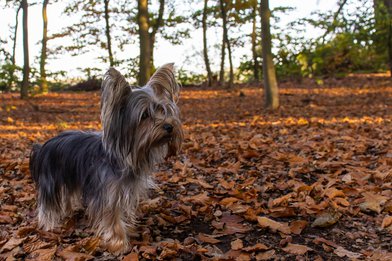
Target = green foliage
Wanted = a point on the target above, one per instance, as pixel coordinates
(188, 78)
(347, 45)
(9, 79)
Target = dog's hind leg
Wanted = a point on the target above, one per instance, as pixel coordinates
(49, 209)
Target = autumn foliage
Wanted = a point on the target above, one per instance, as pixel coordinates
(312, 179)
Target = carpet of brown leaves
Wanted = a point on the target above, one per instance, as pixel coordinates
(311, 181)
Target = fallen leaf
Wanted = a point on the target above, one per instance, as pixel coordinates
(266, 255)
(151, 250)
(131, 257)
(386, 222)
(228, 201)
(200, 182)
(207, 238)
(11, 244)
(373, 202)
(326, 219)
(166, 253)
(46, 254)
(74, 256)
(333, 192)
(296, 249)
(297, 226)
(231, 224)
(201, 198)
(237, 244)
(6, 219)
(257, 247)
(273, 225)
(319, 240)
(342, 252)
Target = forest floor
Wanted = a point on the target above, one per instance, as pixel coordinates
(310, 181)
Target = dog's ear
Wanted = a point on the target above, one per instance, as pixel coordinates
(115, 91)
(114, 88)
(164, 82)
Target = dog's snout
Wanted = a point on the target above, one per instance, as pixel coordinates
(168, 127)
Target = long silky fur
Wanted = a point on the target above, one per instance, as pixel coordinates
(109, 172)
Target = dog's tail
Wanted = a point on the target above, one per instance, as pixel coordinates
(33, 161)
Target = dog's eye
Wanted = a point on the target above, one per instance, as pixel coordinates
(145, 115)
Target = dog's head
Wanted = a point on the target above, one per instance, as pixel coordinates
(141, 125)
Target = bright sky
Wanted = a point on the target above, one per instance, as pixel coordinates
(164, 51)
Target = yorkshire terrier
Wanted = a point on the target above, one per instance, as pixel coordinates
(109, 172)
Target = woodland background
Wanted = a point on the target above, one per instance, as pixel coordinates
(286, 157)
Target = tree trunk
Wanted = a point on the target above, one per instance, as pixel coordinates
(388, 5)
(144, 42)
(231, 73)
(15, 35)
(270, 83)
(205, 47)
(226, 39)
(26, 67)
(254, 42)
(43, 81)
(13, 57)
(222, 65)
(155, 28)
(107, 31)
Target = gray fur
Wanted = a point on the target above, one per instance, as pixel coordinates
(109, 172)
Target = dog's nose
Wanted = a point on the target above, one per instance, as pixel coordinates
(168, 127)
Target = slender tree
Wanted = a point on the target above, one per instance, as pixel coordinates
(108, 35)
(226, 43)
(92, 29)
(144, 42)
(205, 46)
(13, 57)
(223, 48)
(26, 66)
(270, 83)
(43, 81)
(254, 42)
(156, 25)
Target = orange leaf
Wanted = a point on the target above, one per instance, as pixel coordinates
(297, 226)
(257, 247)
(342, 252)
(227, 201)
(46, 254)
(333, 192)
(373, 202)
(131, 257)
(273, 225)
(207, 238)
(296, 249)
(386, 222)
(201, 198)
(237, 244)
(268, 255)
(69, 255)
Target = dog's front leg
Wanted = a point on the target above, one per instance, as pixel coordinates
(113, 230)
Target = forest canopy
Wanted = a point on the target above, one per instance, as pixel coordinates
(354, 36)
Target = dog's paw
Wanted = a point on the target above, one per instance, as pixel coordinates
(117, 246)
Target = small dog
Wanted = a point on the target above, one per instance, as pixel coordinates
(109, 172)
